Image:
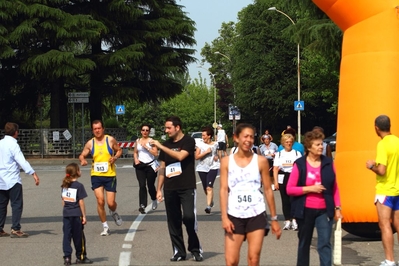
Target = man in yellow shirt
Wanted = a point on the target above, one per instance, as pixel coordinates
(386, 166)
(105, 151)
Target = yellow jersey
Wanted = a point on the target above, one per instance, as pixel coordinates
(101, 155)
(388, 155)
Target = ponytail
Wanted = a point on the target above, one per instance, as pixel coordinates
(72, 172)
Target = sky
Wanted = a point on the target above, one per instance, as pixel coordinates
(209, 16)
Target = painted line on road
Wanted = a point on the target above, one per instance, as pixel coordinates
(124, 256)
(127, 246)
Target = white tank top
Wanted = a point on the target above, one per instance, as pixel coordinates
(144, 155)
(245, 200)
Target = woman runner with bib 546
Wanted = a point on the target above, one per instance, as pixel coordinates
(242, 205)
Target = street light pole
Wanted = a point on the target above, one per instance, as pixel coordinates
(234, 94)
(214, 99)
(298, 70)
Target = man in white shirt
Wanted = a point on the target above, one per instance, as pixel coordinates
(11, 160)
(223, 141)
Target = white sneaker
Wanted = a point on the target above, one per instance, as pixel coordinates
(287, 225)
(387, 263)
(154, 204)
(117, 218)
(294, 225)
(105, 232)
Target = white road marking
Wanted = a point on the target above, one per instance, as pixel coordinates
(124, 256)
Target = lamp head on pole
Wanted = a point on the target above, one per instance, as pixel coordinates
(273, 8)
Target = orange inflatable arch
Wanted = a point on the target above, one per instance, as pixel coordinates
(369, 83)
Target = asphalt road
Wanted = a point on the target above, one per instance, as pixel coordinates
(142, 239)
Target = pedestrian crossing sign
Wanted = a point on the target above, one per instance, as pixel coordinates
(299, 105)
(120, 109)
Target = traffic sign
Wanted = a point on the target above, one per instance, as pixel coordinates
(299, 105)
(120, 109)
(78, 100)
(78, 94)
(215, 125)
(234, 113)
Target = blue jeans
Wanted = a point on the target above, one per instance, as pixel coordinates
(13, 195)
(314, 218)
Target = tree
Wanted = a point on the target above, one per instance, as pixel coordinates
(194, 105)
(263, 68)
(132, 49)
(36, 57)
(143, 47)
(220, 55)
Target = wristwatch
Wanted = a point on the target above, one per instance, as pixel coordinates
(337, 208)
(371, 166)
(274, 218)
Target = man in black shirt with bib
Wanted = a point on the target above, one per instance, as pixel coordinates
(177, 177)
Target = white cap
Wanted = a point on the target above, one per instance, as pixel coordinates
(220, 125)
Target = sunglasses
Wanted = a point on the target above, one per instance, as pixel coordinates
(145, 130)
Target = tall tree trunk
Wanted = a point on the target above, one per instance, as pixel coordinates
(96, 83)
(59, 108)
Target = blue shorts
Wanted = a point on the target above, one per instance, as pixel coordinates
(389, 201)
(109, 183)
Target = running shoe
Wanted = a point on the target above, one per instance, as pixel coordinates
(294, 225)
(142, 209)
(86, 260)
(387, 263)
(287, 225)
(177, 258)
(154, 204)
(208, 210)
(67, 261)
(197, 256)
(117, 218)
(105, 232)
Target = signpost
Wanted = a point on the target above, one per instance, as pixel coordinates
(120, 109)
(77, 97)
(234, 114)
(78, 100)
(78, 94)
(299, 105)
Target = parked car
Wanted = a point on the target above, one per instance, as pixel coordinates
(197, 137)
(331, 140)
